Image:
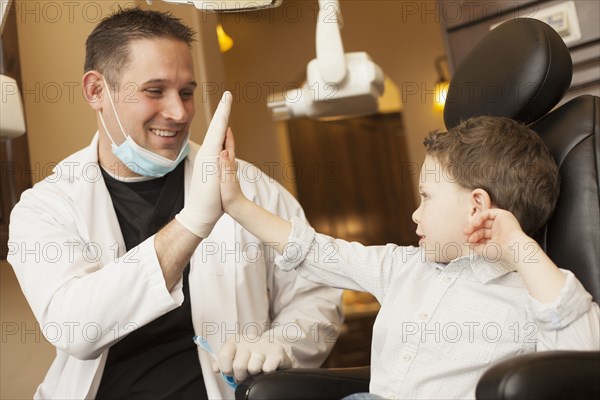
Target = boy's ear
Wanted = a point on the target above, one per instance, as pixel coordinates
(480, 201)
(93, 89)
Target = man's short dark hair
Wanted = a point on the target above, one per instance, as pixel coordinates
(107, 47)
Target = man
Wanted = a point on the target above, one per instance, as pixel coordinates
(143, 258)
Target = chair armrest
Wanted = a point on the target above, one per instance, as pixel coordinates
(544, 375)
(304, 383)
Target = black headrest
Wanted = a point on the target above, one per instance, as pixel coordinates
(520, 69)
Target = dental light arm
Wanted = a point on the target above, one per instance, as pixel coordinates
(330, 50)
(337, 84)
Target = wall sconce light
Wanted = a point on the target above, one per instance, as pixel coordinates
(225, 41)
(442, 84)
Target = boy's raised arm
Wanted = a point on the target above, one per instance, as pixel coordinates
(267, 227)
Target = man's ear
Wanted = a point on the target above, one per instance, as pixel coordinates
(480, 201)
(93, 89)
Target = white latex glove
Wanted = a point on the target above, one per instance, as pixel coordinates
(202, 207)
(245, 355)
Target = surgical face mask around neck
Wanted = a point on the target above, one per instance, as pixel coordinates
(138, 159)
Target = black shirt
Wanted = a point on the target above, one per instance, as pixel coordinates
(158, 360)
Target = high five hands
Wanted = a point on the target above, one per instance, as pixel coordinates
(214, 187)
(203, 207)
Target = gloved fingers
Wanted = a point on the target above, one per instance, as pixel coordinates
(203, 206)
(226, 356)
(240, 363)
(207, 171)
(215, 135)
(215, 367)
(273, 361)
(256, 362)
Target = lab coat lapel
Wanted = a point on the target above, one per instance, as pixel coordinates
(96, 207)
(96, 219)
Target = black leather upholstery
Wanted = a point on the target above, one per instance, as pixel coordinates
(550, 375)
(519, 70)
(572, 236)
(304, 383)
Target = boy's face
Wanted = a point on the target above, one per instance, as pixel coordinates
(443, 213)
(155, 98)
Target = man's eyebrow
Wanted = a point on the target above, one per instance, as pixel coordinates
(163, 81)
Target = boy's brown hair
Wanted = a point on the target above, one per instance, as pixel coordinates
(506, 159)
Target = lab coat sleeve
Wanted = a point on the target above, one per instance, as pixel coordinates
(305, 317)
(83, 302)
(571, 322)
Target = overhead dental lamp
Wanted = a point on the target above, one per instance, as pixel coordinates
(337, 84)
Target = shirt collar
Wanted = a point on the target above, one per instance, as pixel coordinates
(488, 270)
(484, 270)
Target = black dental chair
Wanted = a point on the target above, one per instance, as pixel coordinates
(520, 70)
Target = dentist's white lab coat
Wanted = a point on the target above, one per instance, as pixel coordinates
(67, 251)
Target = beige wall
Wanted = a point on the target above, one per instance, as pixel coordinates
(271, 52)
(24, 353)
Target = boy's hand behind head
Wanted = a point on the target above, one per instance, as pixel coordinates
(495, 228)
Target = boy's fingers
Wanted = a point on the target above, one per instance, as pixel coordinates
(473, 238)
(484, 220)
(479, 235)
(229, 166)
(228, 156)
(230, 143)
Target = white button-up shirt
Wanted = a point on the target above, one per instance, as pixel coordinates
(441, 325)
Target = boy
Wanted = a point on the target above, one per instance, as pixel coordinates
(476, 290)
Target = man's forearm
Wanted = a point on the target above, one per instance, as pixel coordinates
(174, 247)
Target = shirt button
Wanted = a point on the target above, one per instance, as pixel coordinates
(446, 279)
(407, 357)
(423, 316)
